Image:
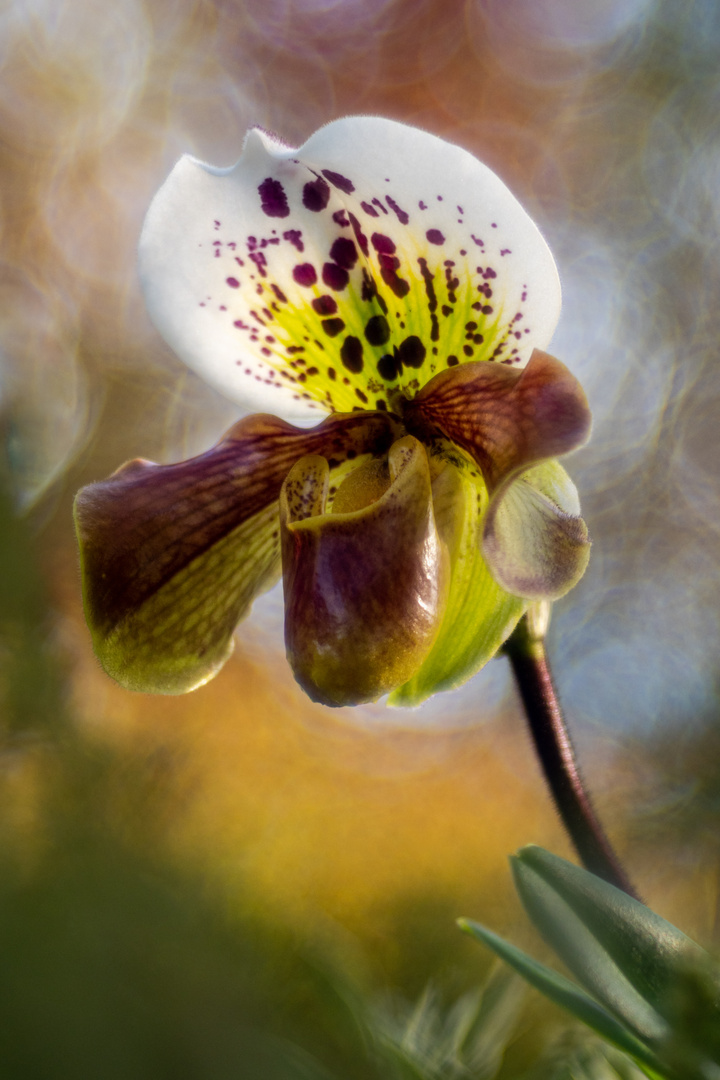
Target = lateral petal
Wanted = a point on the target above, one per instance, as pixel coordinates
(506, 419)
(173, 555)
(534, 540)
(365, 591)
(347, 271)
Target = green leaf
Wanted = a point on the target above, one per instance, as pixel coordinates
(628, 957)
(436, 1040)
(569, 996)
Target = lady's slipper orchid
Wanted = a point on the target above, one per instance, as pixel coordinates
(389, 279)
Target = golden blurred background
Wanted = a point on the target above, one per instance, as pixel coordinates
(366, 830)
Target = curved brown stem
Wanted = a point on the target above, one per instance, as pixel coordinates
(526, 650)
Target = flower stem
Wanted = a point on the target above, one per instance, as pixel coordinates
(526, 650)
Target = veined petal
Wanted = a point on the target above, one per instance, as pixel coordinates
(534, 540)
(364, 590)
(504, 418)
(480, 615)
(173, 555)
(345, 272)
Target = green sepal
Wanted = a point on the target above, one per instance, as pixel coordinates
(480, 615)
(571, 998)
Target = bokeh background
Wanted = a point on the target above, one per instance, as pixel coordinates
(191, 883)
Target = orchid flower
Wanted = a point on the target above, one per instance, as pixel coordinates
(387, 278)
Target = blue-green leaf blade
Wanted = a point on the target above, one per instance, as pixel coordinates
(624, 954)
(565, 994)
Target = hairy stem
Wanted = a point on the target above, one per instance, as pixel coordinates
(526, 650)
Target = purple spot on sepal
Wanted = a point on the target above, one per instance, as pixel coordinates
(389, 266)
(369, 290)
(412, 352)
(402, 216)
(339, 181)
(261, 262)
(340, 218)
(304, 274)
(376, 202)
(316, 195)
(334, 276)
(344, 253)
(369, 209)
(434, 236)
(273, 199)
(377, 330)
(351, 354)
(382, 244)
(422, 205)
(294, 237)
(324, 305)
(359, 234)
(389, 367)
(232, 282)
(429, 284)
(333, 327)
